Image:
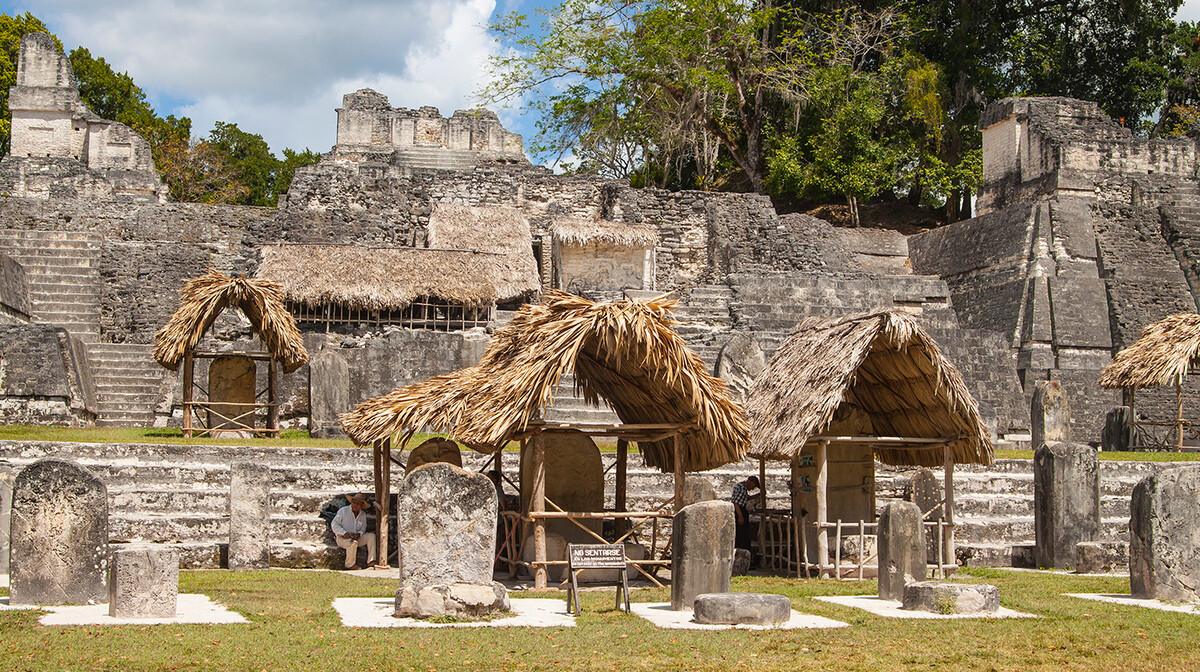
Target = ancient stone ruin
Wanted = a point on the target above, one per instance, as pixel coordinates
(702, 552)
(59, 541)
(902, 549)
(446, 522)
(1164, 528)
(249, 516)
(143, 582)
(1066, 501)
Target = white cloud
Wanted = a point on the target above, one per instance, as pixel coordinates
(1189, 11)
(280, 67)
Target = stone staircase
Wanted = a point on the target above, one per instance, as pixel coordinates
(436, 158)
(705, 321)
(128, 383)
(178, 494)
(61, 271)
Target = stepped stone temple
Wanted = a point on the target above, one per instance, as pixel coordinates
(417, 235)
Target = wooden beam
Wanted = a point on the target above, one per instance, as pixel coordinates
(680, 477)
(822, 507)
(1179, 412)
(537, 504)
(762, 504)
(948, 514)
(273, 408)
(189, 373)
(384, 501)
(622, 476)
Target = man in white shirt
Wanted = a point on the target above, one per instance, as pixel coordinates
(350, 529)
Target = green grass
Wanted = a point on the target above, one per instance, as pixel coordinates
(1112, 456)
(295, 628)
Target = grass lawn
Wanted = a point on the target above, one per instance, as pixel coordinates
(295, 628)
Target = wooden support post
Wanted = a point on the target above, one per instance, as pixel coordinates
(189, 372)
(948, 516)
(273, 407)
(383, 500)
(679, 475)
(1179, 413)
(537, 504)
(862, 547)
(837, 551)
(622, 524)
(762, 503)
(822, 509)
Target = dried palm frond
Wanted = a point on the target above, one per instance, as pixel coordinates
(1166, 351)
(624, 352)
(584, 231)
(884, 365)
(204, 298)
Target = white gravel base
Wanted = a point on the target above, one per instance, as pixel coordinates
(189, 609)
(376, 612)
(660, 614)
(891, 609)
(1145, 602)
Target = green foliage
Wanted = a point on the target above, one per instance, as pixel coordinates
(12, 28)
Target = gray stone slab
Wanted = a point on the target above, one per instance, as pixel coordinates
(1066, 501)
(1097, 557)
(739, 362)
(6, 490)
(701, 552)
(446, 526)
(1049, 413)
(940, 597)
(458, 600)
(742, 608)
(249, 516)
(329, 393)
(901, 548)
(1164, 536)
(59, 535)
(143, 582)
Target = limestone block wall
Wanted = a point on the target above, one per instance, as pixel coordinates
(43, 378)
(367, 119)
(603, 266)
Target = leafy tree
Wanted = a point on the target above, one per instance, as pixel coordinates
(12, 28)
(1181, 104)
(199, 172)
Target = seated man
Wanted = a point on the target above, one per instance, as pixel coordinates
(350, 529)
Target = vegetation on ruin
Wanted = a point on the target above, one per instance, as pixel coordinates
(814, 101)
(293, 627)
(228, 166)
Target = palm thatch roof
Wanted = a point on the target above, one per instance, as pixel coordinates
(1166, 351)
(885, 366)
(476, 256)
(204, 298)
(625, 352)
(584, 231)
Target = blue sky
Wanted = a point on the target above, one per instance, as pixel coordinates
(280, 67)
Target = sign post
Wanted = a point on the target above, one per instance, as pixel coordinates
(597, 556)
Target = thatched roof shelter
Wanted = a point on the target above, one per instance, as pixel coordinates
(204, 298)
(476, 256)
(583, 231)
(624, 352)
(883, 364)
(1166, 351)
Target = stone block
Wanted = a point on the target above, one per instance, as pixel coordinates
(143, 582)
(940, 597)
(249, 516)
(697, 488)
(556, 549)
(1096, 557)
(574, 481)
(446, 526)
(59, 535)
(329, 393)
(927, 493)
(434, 450)
(701, 552)
(231, 385)
(739, 363)
(1066, 501)
(742, 608)
(1164, 536)
(456, 600)
(901, 539)
(6, 490)
(1049, 414)
(741, 562)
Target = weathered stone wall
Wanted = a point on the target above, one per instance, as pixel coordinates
(14, 292)
(43, 379)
